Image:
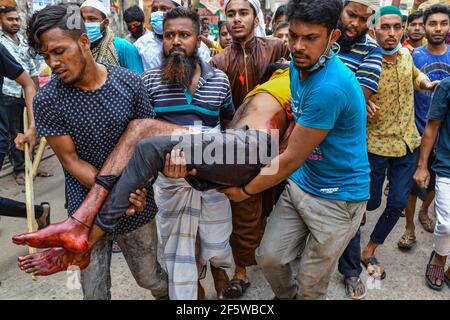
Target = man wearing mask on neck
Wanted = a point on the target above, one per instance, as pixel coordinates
(134, 18)
(150, 45)
(245, 62)
(392, 136)
(105, 46)
(363, 56)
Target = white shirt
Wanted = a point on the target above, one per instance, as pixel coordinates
(150, 48)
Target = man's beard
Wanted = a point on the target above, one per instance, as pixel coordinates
(178, 68)
(435, 43)
(345, 42)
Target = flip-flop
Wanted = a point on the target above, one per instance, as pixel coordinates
(428, 224)
(406, 241)
(236, 289)
(372, 261)
(348, 282)
(44, 174)
(436, 271)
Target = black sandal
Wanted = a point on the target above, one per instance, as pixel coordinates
(350, 283)
(436, 271)
(237, 289)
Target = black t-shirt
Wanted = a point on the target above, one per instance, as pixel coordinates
(95, 119)
(8, 66)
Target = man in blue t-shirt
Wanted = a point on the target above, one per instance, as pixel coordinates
(325, 162)
(438, 124)
(433, 60)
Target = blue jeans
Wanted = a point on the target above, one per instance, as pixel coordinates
(11, 119)
(349, 263)
(400, 171)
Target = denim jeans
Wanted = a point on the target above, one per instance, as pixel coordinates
(349, 263)
(399, 171)
(11, 117)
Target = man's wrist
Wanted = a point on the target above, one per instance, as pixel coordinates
(244, 189)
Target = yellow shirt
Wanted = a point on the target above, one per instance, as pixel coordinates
(392, 131)
(277, 86)
(429, 3)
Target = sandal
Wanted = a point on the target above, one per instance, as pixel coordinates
(236, 289)
(373, 262)
(406, 241)
(428, 224)
(350, 288)
(436, 271)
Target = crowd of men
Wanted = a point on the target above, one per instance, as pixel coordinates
(347, 95)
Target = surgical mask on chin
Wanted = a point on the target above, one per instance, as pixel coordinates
(156, 20)
(391, 52)
(323, 58)
(93, 31)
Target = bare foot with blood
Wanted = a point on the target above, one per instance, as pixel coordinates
(69, 234)
(52, 261)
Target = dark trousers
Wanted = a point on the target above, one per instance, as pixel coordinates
(148, 160)
(16, 209)
(399, 171)
(11, 119)
(349, 264)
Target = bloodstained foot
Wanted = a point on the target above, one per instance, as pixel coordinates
(69, 234)
(52, 261)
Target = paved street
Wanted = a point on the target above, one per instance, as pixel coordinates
(404, 279)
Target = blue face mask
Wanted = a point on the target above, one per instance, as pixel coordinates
(93, 31)
(391, 52)
(156, 20)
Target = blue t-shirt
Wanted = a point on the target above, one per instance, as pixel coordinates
(128, 55)
(332, 99)
(436, 68)
(439, 110)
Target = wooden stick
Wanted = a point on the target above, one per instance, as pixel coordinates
(29, 193)
(38, 157)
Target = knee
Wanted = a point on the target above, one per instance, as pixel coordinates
(266, 258)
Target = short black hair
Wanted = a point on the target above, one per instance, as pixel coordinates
(323, 12)
(205, 18)
(181, 12)
(271, 68)
(221, 24)
(61, 16)
(133, 13)
(415, 15)
(251, 6)
(282, 24)
(436, 8)
(7, 10)
(281, 11)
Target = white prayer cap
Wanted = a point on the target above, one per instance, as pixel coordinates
(178, 2)
(374, 5)
(96, 5)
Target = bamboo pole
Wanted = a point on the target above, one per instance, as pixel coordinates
(38, 157)
(29, 193)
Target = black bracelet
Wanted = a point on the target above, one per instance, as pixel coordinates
(246, 192)
(107, 182)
